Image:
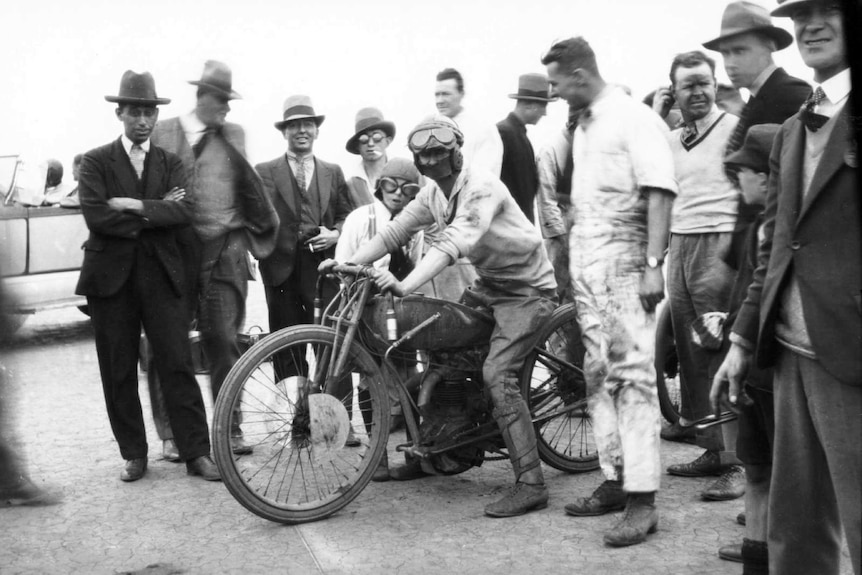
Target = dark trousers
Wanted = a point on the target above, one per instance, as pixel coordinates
(292, 302)
(147, 300)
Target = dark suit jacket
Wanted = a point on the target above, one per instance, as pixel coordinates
(109, 252)
(819, 237)
(278, 183)
(779, 98)
(519, 164)
(261, 223)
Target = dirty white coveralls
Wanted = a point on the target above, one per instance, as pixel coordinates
(620, 148)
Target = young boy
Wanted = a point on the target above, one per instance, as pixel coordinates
(756, 416)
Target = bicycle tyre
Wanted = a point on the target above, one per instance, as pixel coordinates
(667, 374)
(281, 480)
(556, 394)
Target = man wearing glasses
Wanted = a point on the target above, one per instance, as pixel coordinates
(478, 218)
(373, 135)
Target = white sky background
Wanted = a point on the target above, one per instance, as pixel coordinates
(61, 58)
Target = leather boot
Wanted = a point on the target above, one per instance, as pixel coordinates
(640, 519)
(519, 435)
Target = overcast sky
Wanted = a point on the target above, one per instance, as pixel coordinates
(61, 58)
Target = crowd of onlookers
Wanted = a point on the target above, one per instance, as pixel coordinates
(744, 214)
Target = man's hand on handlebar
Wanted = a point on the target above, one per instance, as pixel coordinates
(386, 282)
(326, 266)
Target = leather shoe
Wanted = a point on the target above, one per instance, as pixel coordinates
(25, 492)
(641, 519)
(709, 463)
(170, 451)
(410, 470)
(204, 467)
(731, 485)
(239, 447)
(609, 496)
(134, 469)
(352, 440)
(741, 518)
(522, 498)
(678, 433)
(732, 552)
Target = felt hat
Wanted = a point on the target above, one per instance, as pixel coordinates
(218, 78)
(786, 7)
(368, 119)
(745, 17)
(533, 87)
(756, 148)
(298, 107)
(137, 89)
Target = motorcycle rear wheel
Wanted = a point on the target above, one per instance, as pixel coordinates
(553, 384)
(289, 478)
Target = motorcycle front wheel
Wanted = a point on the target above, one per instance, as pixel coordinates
(553, 384)
(301, 467)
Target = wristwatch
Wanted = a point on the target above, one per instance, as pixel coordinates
(654, 263)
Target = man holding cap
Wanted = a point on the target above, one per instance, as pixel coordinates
(311, 199)
(133, 200)
(373, 135)
(519, 161)
(802, 312)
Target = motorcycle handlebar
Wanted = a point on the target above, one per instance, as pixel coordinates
(355, 270)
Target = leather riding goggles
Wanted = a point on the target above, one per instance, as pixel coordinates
(390, 186)
(423, 138)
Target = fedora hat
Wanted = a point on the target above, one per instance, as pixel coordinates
(786, 7)
(298, 108)
(137, 89)
(756, 148)
(217, 77)
(368, 119)
(745, 17)
(532, 87)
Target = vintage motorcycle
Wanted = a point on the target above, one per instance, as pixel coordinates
(298, 394)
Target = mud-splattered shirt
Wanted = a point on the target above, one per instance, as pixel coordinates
(480, 220)
(620, 147)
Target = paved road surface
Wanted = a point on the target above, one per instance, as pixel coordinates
(179, 524)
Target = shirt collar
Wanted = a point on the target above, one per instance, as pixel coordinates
(127, 145)
(837, 88)
(599, 103)
(297, 159)
(761, 79)
(192, 124)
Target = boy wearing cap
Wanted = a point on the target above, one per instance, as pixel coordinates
(478, 218)
(134, 202)
(802, 316)
(372, 137)
(756, 418)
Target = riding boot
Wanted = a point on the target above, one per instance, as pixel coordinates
(530, 491)
(640, 519)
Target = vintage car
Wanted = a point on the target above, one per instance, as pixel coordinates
(40, 248)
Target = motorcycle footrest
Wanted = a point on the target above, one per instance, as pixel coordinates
(413, 450)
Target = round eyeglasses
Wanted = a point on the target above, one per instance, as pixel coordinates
(390, 186)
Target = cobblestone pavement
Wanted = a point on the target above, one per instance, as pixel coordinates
(178, 524)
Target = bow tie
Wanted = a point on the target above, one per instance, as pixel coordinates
(812, 120)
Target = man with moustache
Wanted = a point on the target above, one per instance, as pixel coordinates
(802, 312)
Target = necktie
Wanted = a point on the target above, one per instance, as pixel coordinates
(199, 147)
(812, 120)
(689, 133)
(300, 173)
(137, 155)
